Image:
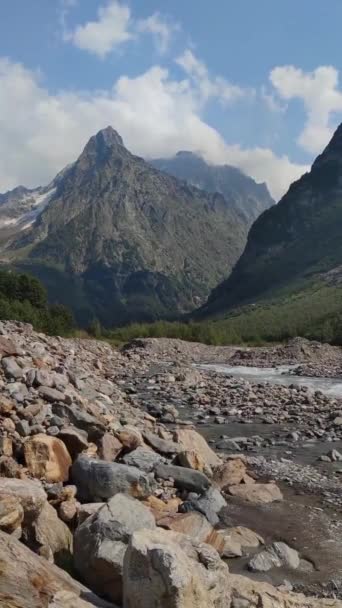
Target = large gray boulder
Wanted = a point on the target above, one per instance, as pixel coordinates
(185, 479)
(170, 570)
(29, 494)
(101, 541)
(144, 459)
(30, 581)
(98, 480)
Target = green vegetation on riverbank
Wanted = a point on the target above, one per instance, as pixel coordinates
(23, 298)
(315, 313)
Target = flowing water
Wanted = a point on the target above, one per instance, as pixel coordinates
(279, 375)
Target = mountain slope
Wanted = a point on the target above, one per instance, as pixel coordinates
(122, 241)
(241, 192)
(294, 243)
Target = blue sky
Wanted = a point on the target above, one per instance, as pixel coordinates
(254, 83)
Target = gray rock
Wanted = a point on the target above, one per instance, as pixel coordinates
(101, 541)
(50, 394)
(98, 480)
(210, 504)
(161, 445)
(23, 428)
(80, 419)
(144, 459)
(44, 378)
(186, 479)
(277, 555)
(11, 368)
(75, 440)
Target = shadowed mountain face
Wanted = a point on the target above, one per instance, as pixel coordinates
(120, 240)
(241, 192)
(293, 242)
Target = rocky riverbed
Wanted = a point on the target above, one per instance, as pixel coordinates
(129, 477)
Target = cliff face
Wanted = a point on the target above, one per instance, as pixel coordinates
(297, 239)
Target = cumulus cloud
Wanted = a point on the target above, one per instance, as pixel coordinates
(114, 26)
(207, 86)
(160, 29)
(319, 91)
(155, 114)
(111, 29)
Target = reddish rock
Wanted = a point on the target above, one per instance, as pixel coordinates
(47, 458)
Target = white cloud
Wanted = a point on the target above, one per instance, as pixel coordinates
(155, 114)
(160, 29)
(111, 29)
(207, 86)
(319, 91)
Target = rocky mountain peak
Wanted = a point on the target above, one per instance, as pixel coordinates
(102, 143)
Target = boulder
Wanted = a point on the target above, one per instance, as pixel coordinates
(6, 446)
(47, 458)
(86, 510)
(193, 524)
(75, 440)
(277, 555)
(257, 493)
(130, 437)
(231, 473)
(80, 419)
(8, 348)
(109, 447)
(192, 460)
(144, 459)
(185, 479)
(191, 441)
(29, 581)
(163, 446)
(161, 508)
(98, 480)
(238, 540)
(29, 494)
(170, 570)
(49, 535)
(11, 368)
(210, 504)
(51, 394)
(11, 514)
(101, 542)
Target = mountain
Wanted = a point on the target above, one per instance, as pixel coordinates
(293, 244)
(241, 192)
(116, 239)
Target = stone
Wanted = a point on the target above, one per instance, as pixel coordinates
(30, 581)
(51, 394)
(185, 479)
(338, 421)
(9, 467)
(8, 348)
(75, 440)
(29, 494)
(47, 458)
(98, 480)
(238, 540)
(86, 510)
(23, 428)
(335, 456)
(47, 531)
(6, 446)
(277, 555)
(109, 447)
(163, 446)
(68, 510)
(209, 504)
(8, 425)
(257, 493)
(173, 571)
(80, 419)
(101, 542)
(161, 508)
(230, 473)
(193, 460)
(11, 368)
(143, 458)
(11, 514)
(130, 438)
(191, 441)
(193, 524)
